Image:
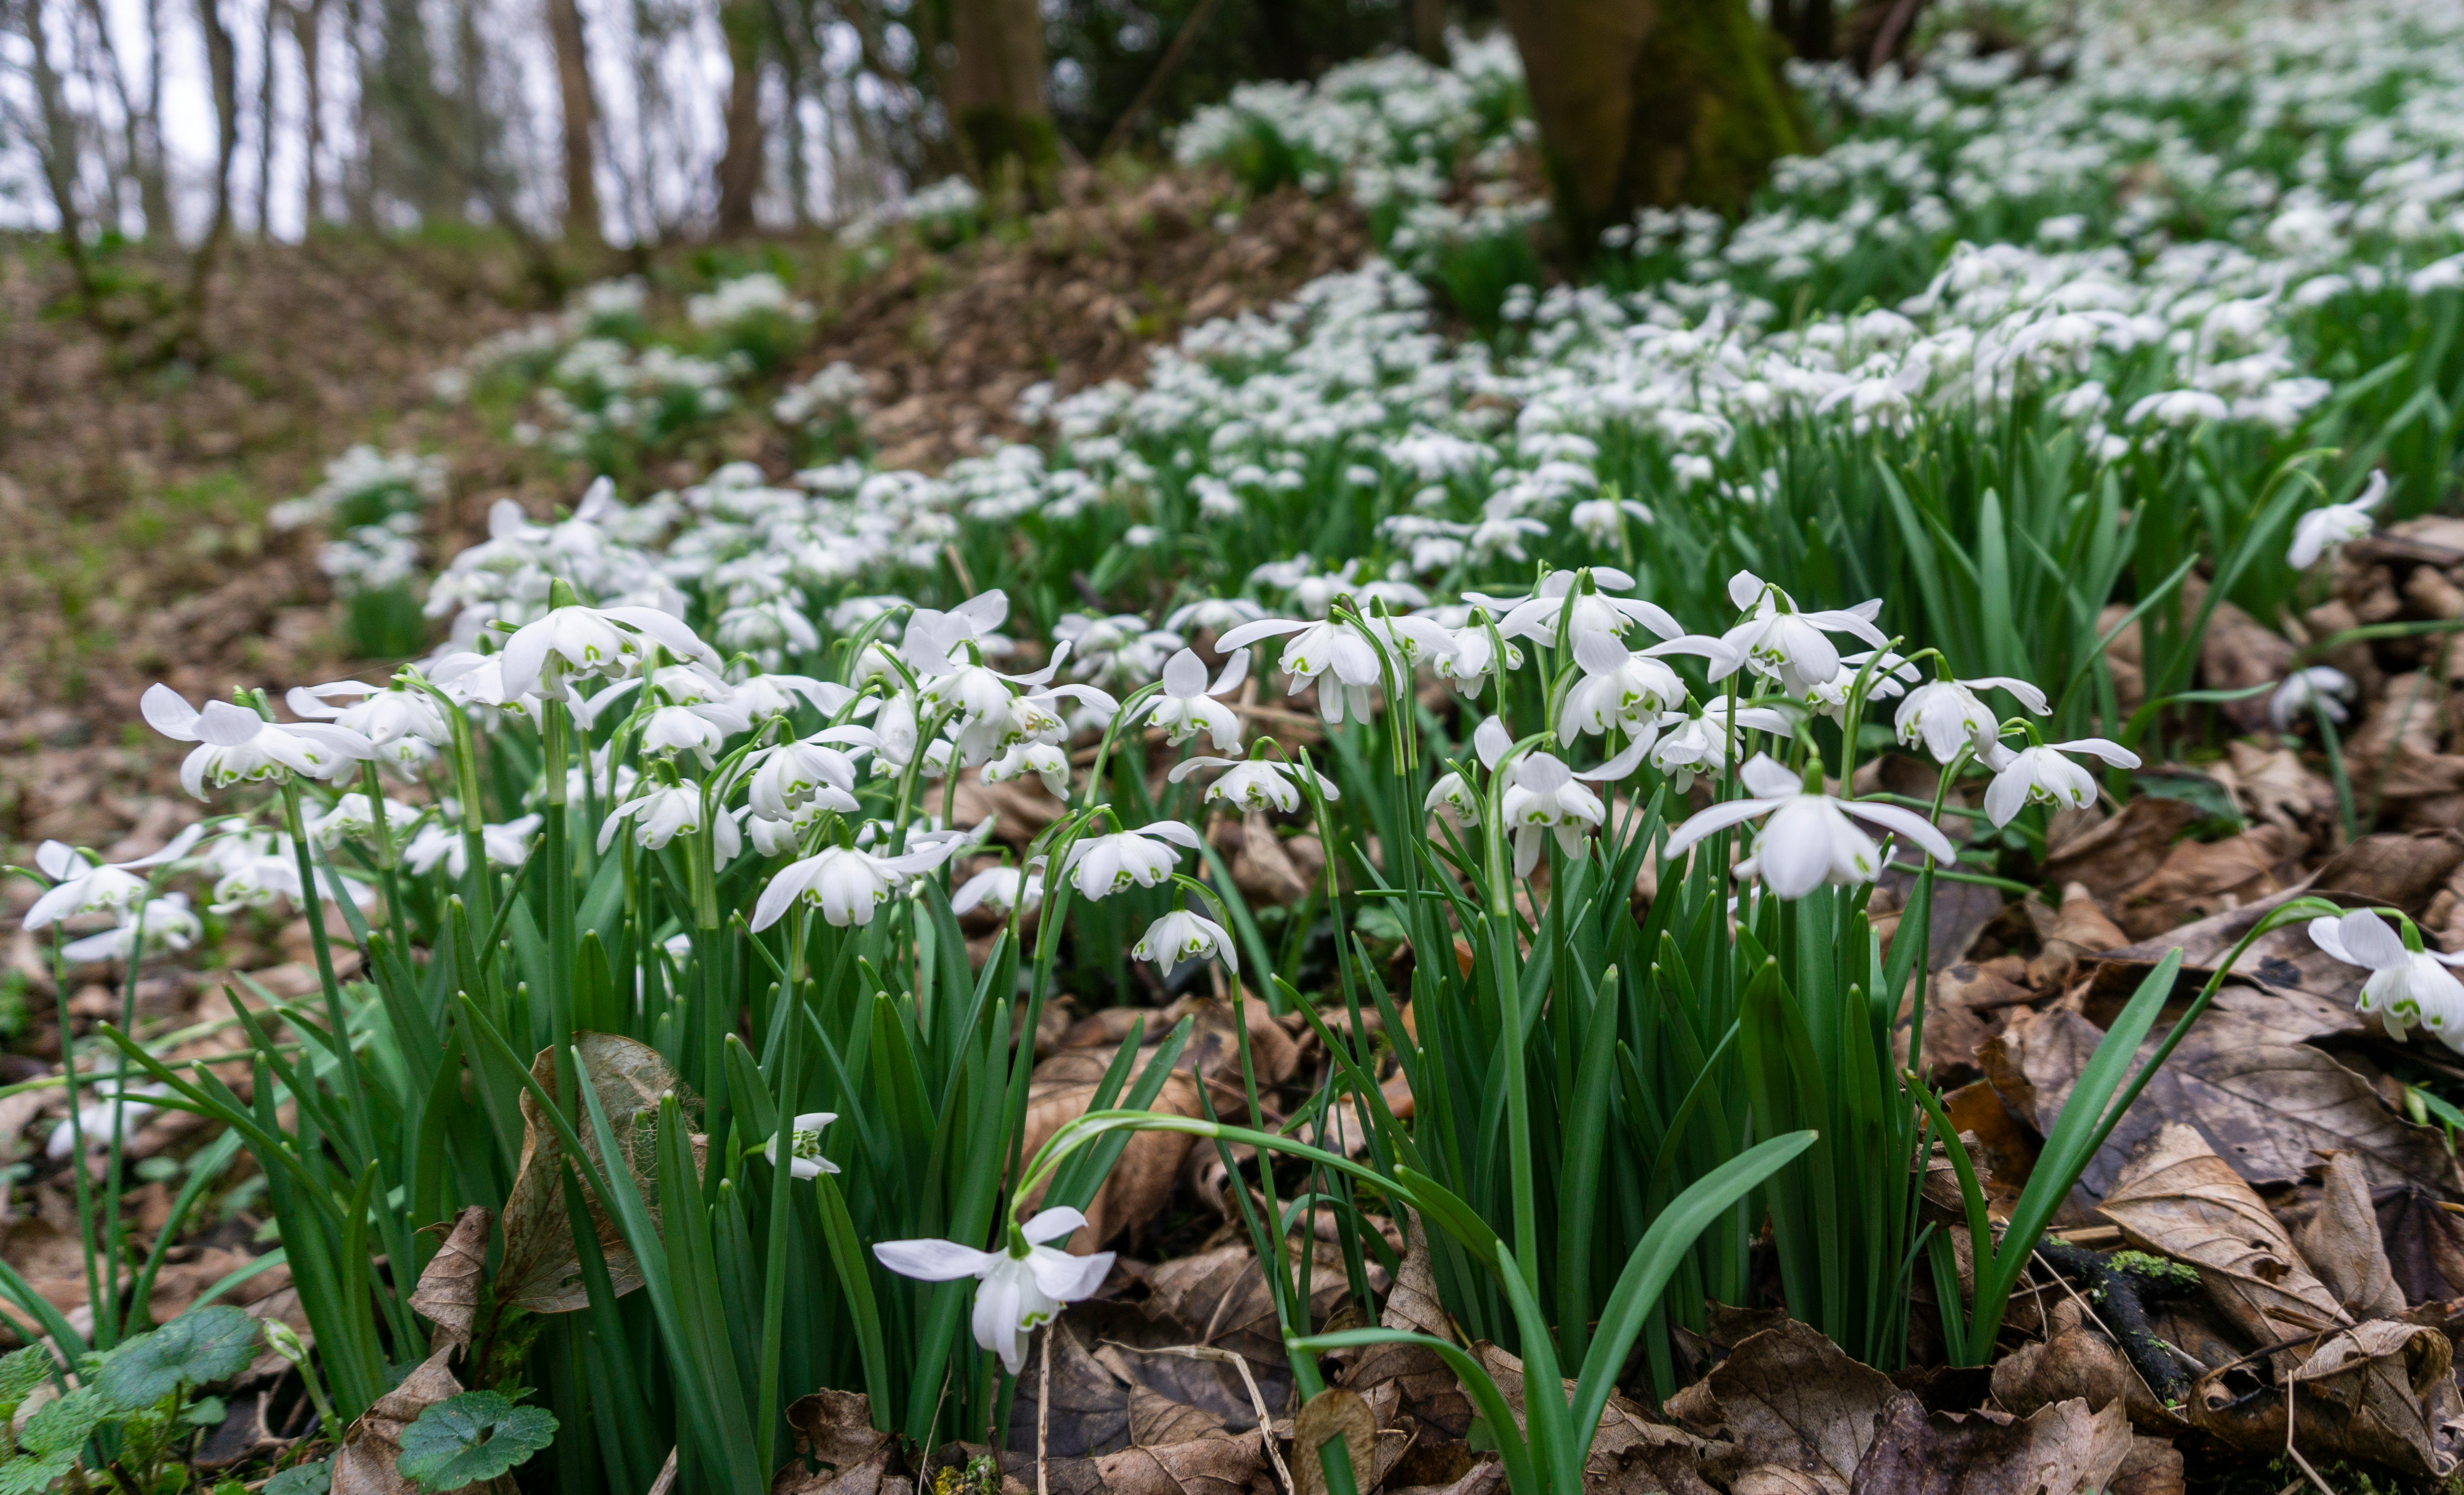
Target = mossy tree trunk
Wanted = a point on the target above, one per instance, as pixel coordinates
(1650, 104)
(996, 97)
(740, 164)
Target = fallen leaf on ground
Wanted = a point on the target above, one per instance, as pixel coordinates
(2176, 1197)
(2381, 1392)
(837, 1449)
(2284, 960)
(1412, 1376)
(364, 1464)
(2060, 1449)
(2244, 1077)
(1799, 1411)
(2341, 1242)
(2071, 1363)
(1221, 1297)
(2123, 851)
(1629, 1450)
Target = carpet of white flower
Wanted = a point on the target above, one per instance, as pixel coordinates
(2037, 335)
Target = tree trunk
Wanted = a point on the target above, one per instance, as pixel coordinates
(1429, 30)
(186, 339)
(573, 87)
(1650, 104)
(740, 166)
(995, 95)
(265, 122)
(307, 28)
(59, 150)
(153, 178)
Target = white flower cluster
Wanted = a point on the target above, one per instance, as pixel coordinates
(372, 502)
(744, 299)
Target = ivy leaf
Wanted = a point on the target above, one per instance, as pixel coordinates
(471, 1438)
(32, 1476)
(62, 1426)
(307, 1479)
(208, 1345)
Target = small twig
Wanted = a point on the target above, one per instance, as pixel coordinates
(2126, 1295)
(2293, 1453)
(1043, 1410)
(1257, 1399)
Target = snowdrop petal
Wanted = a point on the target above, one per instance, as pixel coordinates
(934, 1261)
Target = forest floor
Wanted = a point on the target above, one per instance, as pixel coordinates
(134, 541)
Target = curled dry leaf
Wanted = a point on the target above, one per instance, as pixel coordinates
(448, 1293)
(1411, 1377)
(364, 1464)
(1221, 1297)
(1140, 1184)
(2200, 879)
(2400, 870)
(1800, 1413)
(2341, 1241)
(838, 1449)
(1156, 1421)
(2123, 851)
(2245, 1075)
(2176, 1197)
(2071, 1363)
(2153, 1467)
(1629, 1451)
(1263, 869)
(2060, 1449)
(2381, 1392)
(540, 1270)
(1334, 1412)
(2284, 961)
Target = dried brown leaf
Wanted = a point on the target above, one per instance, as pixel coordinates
(1800, 1411)
(541, 1271)
(2341, 1241)
(448, 1293)
(2381, 1392)
(1334, 1412)
(1425, 1388)
(2244, 1077)
(2121, 851)
(2072, 1363)
(2176, 1197)
(364, 1464)
(2060, 1449)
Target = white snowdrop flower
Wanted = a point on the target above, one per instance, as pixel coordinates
(1451, 796)
(1622, 689)
(236, 745)
(671, 730)
(2178, 409)
(1471, 656)
(1187, 705)
(81, 885)
(1699, 744)
(1181, 937)
(2043, 775)
(354, 818)
(1599, 519)
(2323, 529)
(787, 776)
(129, 1107)
(1101, 866)
(1213, 615)
(2406, 988)
(1002, 889)
(1253, 783)
(382, 716)
(844, 883)
(1322, 649)
(1544, 796)
(1560, 608)
(663, 813)
(1943, 714)
(578, 642)
(1790, 647)
(805, 1159)
(2321, 687)
(165, 923)
(1808, 839)
(504, 845)
(1888, 676)
(1022, 1287)
(1046, 760)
